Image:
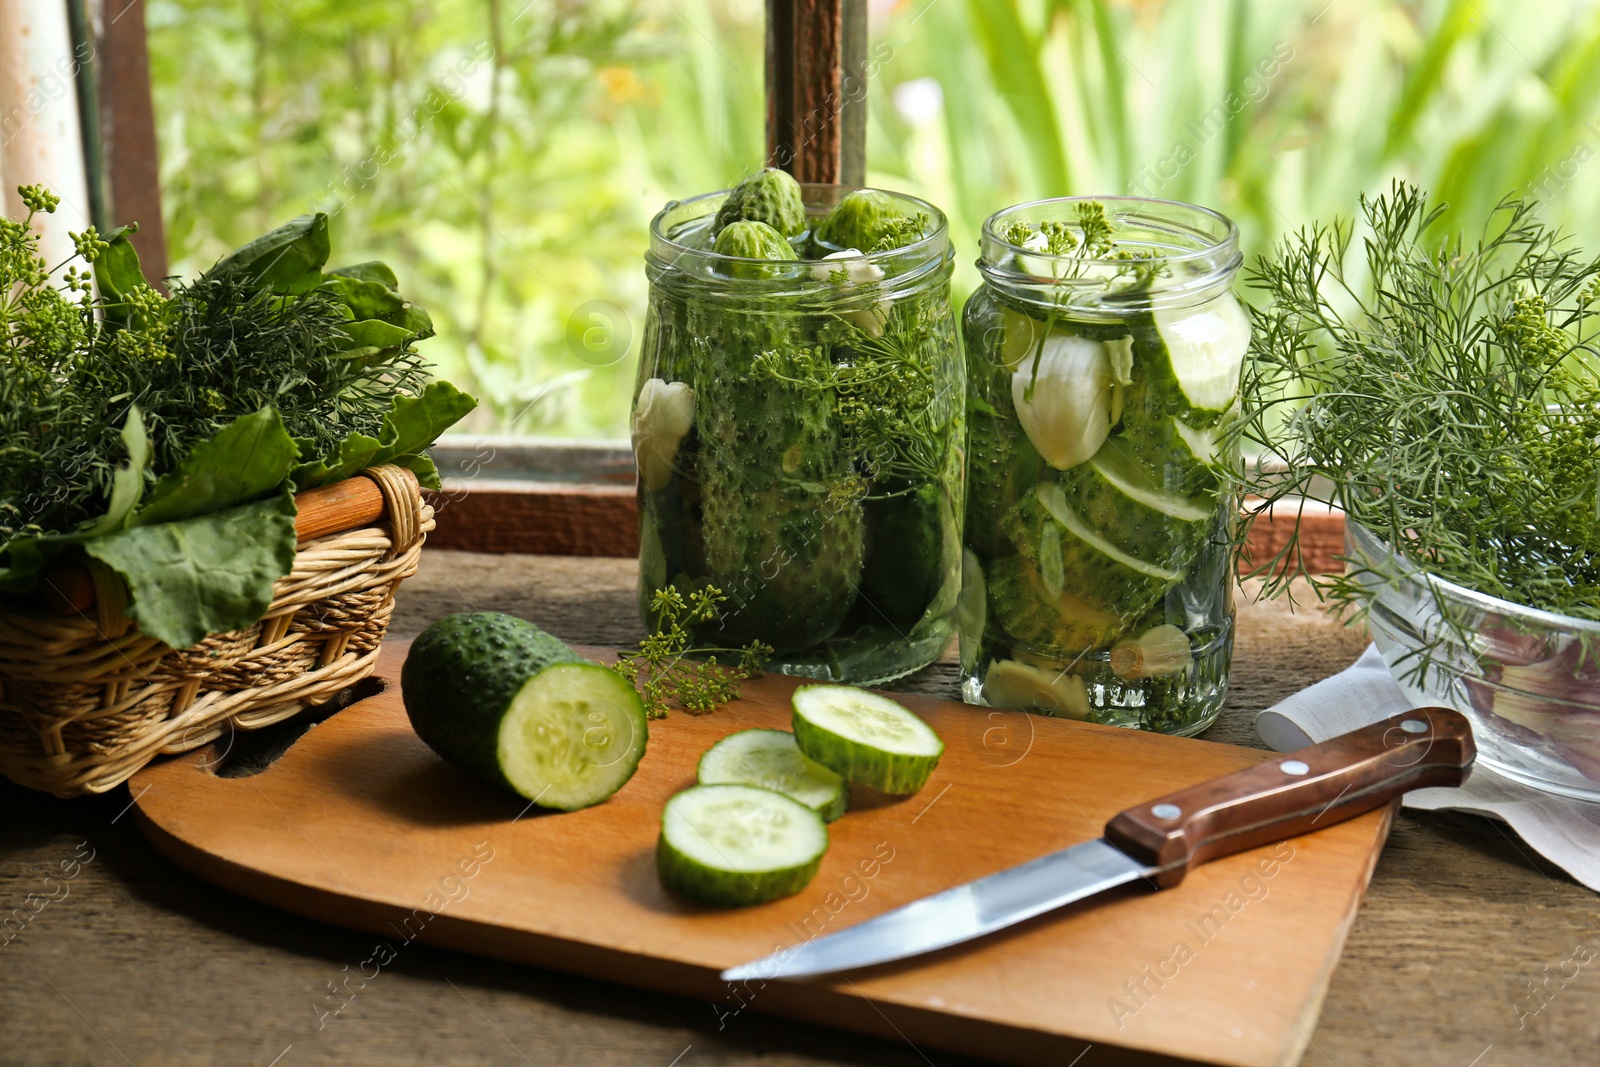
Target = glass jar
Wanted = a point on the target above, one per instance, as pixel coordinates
(798, 426)
(1101, 378)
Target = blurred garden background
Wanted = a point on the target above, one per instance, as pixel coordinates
(506, 156)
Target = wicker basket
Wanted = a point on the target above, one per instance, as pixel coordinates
(87, 700)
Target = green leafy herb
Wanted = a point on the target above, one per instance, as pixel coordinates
(245, 460)
(160, 435)
(411, 424)
(1444, 390)
(661, 669)
(208, 574)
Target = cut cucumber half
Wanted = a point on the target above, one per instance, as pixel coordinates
(1206, 348)
(866, 737)
(736, 844)
(511, 705)
(573, 734)
(769, 759)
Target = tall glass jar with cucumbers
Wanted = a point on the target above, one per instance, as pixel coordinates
(797, 424)
(1104, 352)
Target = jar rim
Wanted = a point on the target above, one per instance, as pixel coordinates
(1199, 251)
(667, 252)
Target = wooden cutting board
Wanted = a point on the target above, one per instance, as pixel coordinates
(359, 824)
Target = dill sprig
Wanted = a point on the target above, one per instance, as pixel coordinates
(884, 395)
(1092, 241)
(57, 451)
(900, 231)
(1443, 393)
(662, 671)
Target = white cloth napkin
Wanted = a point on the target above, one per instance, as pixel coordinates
(1565, 832)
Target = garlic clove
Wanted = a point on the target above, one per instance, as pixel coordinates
(1011, 684)
(1062, 394)
(1156, 653)
(858, 270)
(662, 416)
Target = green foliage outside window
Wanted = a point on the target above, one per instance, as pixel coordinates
(506, 156)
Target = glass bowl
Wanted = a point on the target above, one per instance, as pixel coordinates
(1528, 680)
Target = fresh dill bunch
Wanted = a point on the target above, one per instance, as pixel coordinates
(57, 453)
(1444, 389)
(219, 348)
(661, 670)
(253, 347)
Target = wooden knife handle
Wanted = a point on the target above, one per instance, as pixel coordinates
(1297, 792)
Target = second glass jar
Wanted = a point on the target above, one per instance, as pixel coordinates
(798, 429)
(1104, 353)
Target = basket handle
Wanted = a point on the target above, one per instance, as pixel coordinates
(361, 500)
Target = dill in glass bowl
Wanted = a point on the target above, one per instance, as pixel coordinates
(1528, 680)
(1442, 389)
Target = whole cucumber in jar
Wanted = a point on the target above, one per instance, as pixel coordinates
(817, 484)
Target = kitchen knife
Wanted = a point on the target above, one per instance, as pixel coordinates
(1161, 840)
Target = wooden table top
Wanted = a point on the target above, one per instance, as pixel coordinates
(1469, 951)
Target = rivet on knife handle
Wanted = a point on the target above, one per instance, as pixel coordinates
(1297, 792)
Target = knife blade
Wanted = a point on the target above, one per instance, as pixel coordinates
(1160, 841)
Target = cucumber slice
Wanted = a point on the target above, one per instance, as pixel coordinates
(1123, 474)
(736, 844)
(1124, 503)
(1206, 348)
(1055, 502)
(865, 737)
(769, 759)
(574, 733)
(1065, 625)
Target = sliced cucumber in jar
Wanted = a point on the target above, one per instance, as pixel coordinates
(865, 737)
(1119, 470)
(770, 759)
(736, 844)
(1206, 348)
